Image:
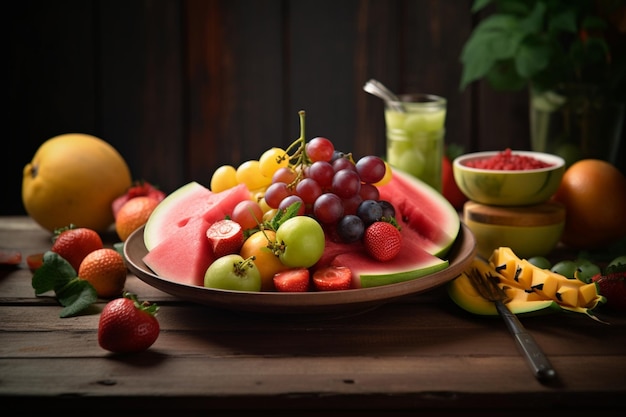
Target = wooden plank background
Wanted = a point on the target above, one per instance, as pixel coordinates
(181, 87)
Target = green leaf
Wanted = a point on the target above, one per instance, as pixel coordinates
(533, 23)
(76, 296)
(479, 5)
(532, 57)
(496, 38)
(54, 273)
(503, 77)
(564, 21)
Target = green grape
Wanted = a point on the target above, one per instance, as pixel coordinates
(565, 268)
(223, 178)
(586, 269)
(271, 160)
(540, 262)
(249, 173)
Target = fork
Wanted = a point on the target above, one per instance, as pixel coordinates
(487, 287)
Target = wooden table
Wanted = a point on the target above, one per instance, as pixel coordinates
(423, 354)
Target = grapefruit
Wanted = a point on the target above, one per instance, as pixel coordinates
(594, 195)
(73, 179)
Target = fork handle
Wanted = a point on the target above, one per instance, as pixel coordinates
(537, 360)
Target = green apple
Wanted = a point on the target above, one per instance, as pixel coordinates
(233, 272)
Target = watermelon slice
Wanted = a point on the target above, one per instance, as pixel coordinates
(184, 262)
(189, 201)
(424, 210)
(175, 234)
(412, 262)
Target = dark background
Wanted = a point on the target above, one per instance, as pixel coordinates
(182, 87)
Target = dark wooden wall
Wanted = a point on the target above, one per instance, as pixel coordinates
(181, 87)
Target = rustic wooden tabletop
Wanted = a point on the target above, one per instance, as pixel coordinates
(422, 354)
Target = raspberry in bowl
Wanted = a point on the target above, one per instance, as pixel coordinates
(508, 178)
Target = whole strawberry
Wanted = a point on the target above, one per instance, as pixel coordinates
(74, 243)
(382, 241)
(613, 287)
(127, 326)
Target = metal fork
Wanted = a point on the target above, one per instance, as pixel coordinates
(488, 289)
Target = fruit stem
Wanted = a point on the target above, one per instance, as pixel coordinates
(299, 157)
(240, 267)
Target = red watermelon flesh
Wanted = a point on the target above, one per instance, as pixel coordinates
(184, 256)
(424, 210)
(189, 201)
(412, 262)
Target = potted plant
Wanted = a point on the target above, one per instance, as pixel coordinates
(570, 54)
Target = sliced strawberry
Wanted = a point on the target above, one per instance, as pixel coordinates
(292, 280)
(382, 241)
(10, 257)
(226, 237)
(34, 261)
(332, 278)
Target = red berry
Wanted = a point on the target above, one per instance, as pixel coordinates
(382, 241)
(332, 278)
(10, 257)
(138, 189)
(128, 326)
(226, 237)
(292, 280)
(73, 244)
(613, 287)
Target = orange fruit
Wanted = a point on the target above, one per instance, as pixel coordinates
(134, 214)
(105, 269)
(266, 262)
(594, 195)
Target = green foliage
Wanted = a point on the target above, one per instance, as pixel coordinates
(73, 293)
(544, 43)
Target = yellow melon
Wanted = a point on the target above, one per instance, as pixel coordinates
(73, 179)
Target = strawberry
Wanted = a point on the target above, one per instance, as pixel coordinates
(382, 241)
(226, 237)
(34, 261)
(292, 280)
(73, 244)
(613, 287)
(10, 257)
(138, 189)
(126, 325)
(332, 278)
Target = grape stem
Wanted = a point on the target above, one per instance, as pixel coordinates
(299, 157)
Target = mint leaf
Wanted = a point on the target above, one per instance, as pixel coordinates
(76, 296)
(55, 272)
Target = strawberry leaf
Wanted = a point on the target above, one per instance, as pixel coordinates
(76, 296)
(54, 273)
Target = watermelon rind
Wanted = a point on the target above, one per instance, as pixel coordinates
(444, 222)
(167, 215)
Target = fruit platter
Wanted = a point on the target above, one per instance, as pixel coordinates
(302, 230)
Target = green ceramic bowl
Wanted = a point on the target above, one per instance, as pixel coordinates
(506, 187)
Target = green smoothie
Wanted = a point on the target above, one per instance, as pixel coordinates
(415, 137)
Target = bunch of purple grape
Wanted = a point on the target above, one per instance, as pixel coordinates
(330, 185)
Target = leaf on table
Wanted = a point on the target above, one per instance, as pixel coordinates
(54, 273)
(76, 296)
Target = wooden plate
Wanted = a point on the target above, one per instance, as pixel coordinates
(459, 256)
